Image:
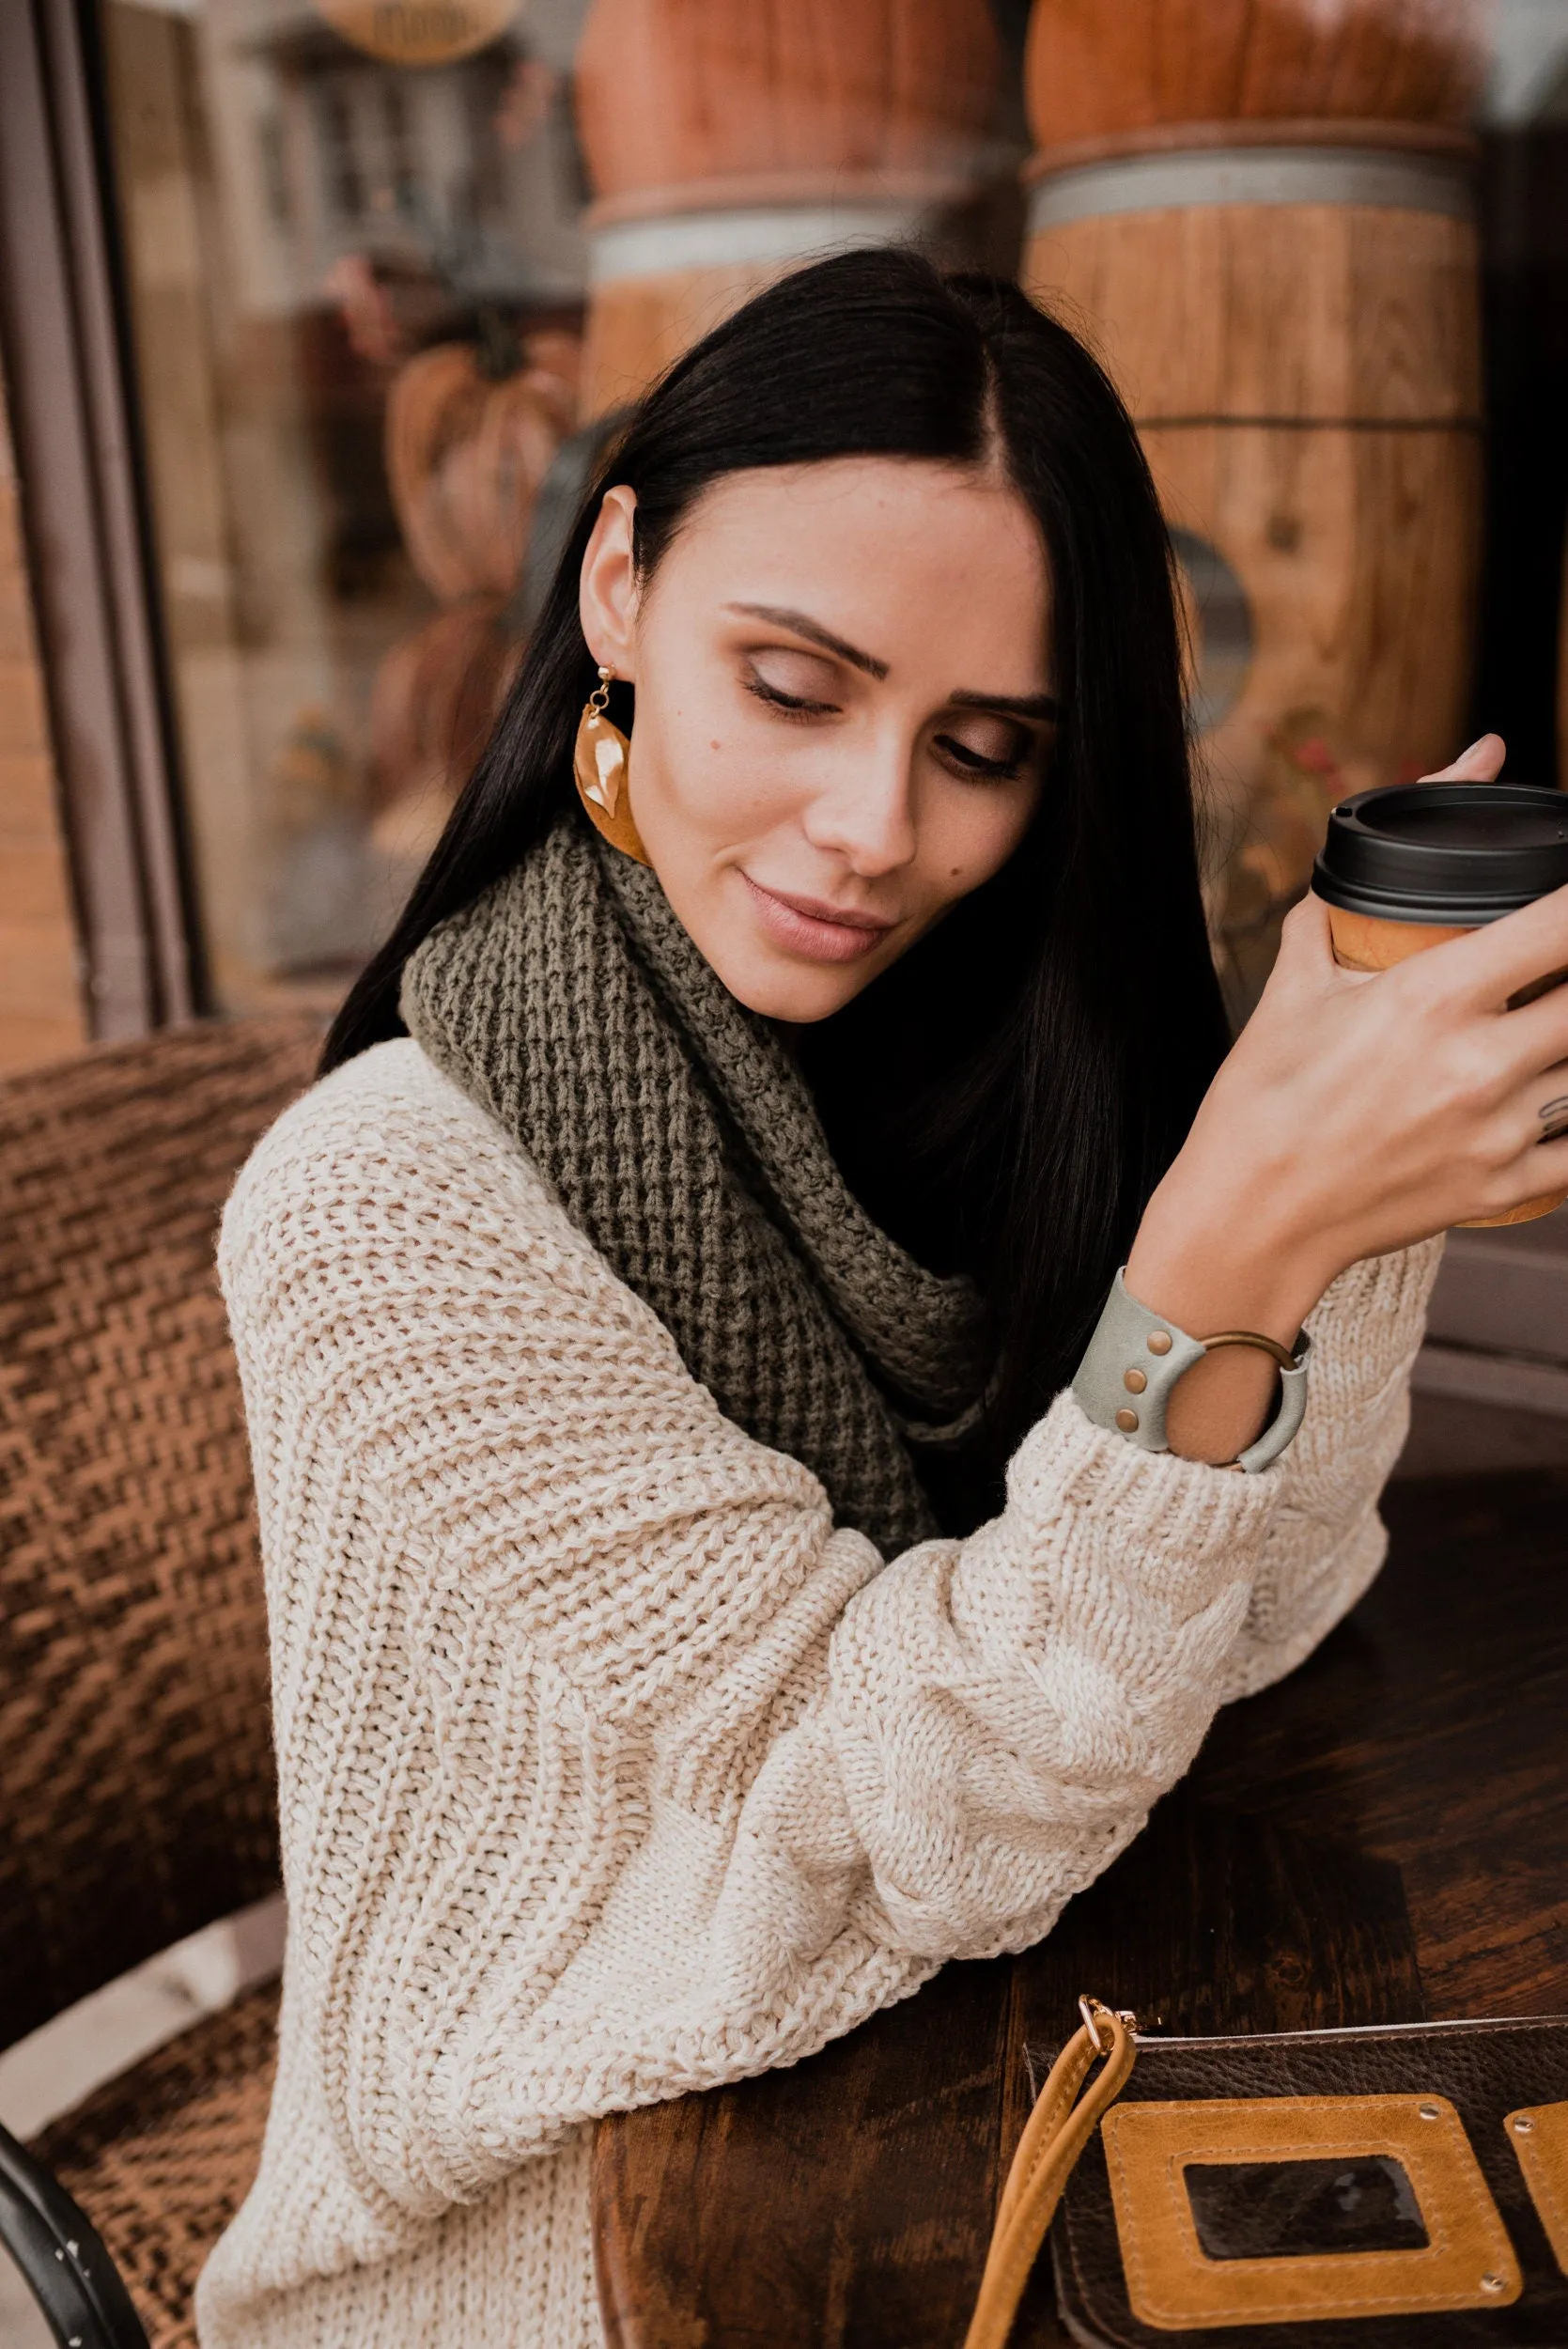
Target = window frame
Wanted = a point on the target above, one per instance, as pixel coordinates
(87, 529)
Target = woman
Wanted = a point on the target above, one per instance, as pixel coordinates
(635, 1348)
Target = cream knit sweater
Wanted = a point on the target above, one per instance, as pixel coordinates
(609, 1770)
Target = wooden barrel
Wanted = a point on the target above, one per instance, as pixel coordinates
(729, 141)
(664, 271)
(1293, 325)
(1222, 71)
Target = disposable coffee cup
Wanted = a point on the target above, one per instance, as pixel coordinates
(1410, 867)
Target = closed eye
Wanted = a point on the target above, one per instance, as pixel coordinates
(972, 762)
(793, 705)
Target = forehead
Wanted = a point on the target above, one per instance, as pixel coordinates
(890, 553)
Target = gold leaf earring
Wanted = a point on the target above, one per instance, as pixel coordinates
(601, 763)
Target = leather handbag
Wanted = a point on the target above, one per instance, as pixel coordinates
(1403, 2186)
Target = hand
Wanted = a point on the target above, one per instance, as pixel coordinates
(1356, 1113)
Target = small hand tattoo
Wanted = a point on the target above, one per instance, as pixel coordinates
(1553, 1116)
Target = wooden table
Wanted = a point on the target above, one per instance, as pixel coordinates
(1383, 1837)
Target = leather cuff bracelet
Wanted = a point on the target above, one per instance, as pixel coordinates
(1135, 1358)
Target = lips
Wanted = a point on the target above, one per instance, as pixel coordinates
(814, 929)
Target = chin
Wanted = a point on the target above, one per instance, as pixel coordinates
(799, 996)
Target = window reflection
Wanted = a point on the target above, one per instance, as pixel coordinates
(373, 301)
(325, 248)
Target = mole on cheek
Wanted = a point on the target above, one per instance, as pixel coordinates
(713, 746)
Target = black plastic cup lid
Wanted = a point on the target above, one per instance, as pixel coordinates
(1459, 853)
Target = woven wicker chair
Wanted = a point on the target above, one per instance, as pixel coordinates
(137, 1799)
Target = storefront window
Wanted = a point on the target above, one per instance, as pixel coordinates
(390, 260)
(302, 221)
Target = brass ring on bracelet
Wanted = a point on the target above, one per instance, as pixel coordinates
(1281, 1354)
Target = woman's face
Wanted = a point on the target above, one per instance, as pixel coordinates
(843, 707)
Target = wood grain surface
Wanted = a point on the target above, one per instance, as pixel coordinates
(637, 326)
(688, 104)
(1318, 313)
(1383, 1836)
(42, 1017)
(1092, 70)
(1306, 383)
(669, 92)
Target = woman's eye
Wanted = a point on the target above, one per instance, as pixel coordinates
(777, 700)
(794, 682)
(1001, 759)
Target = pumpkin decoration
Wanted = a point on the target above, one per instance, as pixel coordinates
(437, 694)
(467, 446)
(472, 430)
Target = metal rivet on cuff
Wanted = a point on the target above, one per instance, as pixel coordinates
(1134, 1381)
(1159, 1341)
(1126, 1421)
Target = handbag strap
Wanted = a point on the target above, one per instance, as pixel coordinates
(1062, 2121)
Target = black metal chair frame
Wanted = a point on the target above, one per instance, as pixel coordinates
(61, 2257)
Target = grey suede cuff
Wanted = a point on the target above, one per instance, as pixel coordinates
(1135, 1358)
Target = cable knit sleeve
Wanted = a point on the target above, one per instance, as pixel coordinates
(608, 1768)
(1326, 1541)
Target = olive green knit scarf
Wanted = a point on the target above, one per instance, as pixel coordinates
(569, 1002)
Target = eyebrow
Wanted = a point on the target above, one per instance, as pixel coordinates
(1016, 705)
(801, 624)
(1041, 705)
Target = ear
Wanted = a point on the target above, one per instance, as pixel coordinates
(606, 594)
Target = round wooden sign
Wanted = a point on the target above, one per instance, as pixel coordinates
(418, 32)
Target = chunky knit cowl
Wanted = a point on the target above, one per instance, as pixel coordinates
(571, 1005)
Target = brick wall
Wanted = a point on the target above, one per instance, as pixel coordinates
(41, 996)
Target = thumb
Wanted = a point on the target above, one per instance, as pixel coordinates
(1481, 763)
(1305, 956)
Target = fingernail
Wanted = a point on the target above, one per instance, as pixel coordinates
(1474, 746)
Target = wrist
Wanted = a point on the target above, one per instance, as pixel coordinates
(1226, 1261)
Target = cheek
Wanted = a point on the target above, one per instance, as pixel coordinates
(720, 777)
(970, 834)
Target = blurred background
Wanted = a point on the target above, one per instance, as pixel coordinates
(312, 315)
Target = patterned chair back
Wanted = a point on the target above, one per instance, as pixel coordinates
(137, 1799)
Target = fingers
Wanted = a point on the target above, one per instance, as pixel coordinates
(1539, 1104)
(1481, 763)
(1530, 1042)
(1513, 1140)
(1552, 1114)
(1304, 934)
(1307, 941)
(1306, 956)
(1489, 965)
(1541, 1169)
(1505, 1154)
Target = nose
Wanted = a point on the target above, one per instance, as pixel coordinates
(866, 814)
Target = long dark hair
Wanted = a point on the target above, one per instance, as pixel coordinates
(1009, 1094)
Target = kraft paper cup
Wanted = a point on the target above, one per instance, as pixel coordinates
(1397, 862)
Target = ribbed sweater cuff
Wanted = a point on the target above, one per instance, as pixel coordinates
(1150, 1499)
